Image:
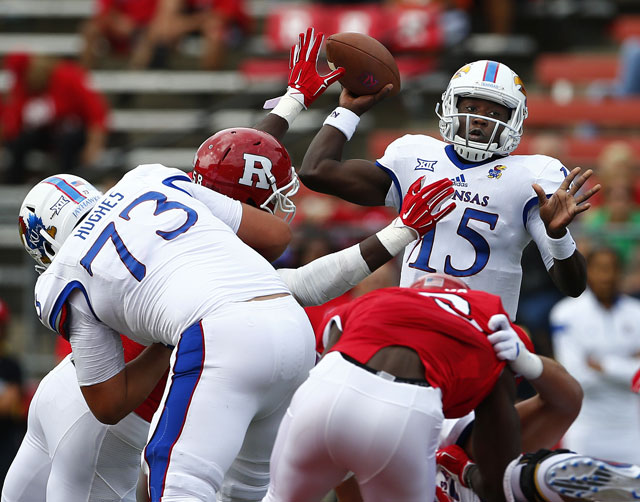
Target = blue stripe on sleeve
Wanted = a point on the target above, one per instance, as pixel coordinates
(395, 181)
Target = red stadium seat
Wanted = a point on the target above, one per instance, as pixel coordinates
(579, 151)
(624, 27)
(575, 68)
(620, 113)
(368, 19)
(412, 34)
(284, 23)
(415, 29)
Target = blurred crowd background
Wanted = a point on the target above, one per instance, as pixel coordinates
(96, 87)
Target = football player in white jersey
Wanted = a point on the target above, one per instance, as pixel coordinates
(503, 200)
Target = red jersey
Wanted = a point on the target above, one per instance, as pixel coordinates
(447, 328)
(67, 96)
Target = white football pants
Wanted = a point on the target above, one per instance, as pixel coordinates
(343, 419)
(67, 455)
(232, 377)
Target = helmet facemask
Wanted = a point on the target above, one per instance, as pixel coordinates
(279, 201)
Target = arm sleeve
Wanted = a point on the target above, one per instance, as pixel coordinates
(549, 178)
(224, 208)
(97, 349)
(552, 175)
(538, 233)
(327, 277)
(391, 162)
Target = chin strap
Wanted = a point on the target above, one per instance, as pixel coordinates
(472, 150)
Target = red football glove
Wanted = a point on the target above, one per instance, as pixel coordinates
(442, 496)
(455, 461)
(420, 202)
(635, 382)
(305, 84)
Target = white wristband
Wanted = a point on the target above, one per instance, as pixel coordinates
(528, 365)
(344, 120)
(396, 236)
(561, 248)
(288, 107)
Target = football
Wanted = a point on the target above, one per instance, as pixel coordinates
(368, 64)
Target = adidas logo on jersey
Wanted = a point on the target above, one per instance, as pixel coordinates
(459, 181)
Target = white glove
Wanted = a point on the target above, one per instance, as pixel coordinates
(509, 347)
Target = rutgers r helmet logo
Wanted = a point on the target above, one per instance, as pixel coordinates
(256, 165)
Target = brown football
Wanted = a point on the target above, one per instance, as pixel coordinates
(368, 64)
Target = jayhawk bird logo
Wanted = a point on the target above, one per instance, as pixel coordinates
(519, 84)
(30, 234)
(464, 69)
(496, 172)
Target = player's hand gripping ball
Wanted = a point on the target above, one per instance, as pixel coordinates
(369, 65)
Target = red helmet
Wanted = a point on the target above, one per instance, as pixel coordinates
(250, 166)
(436, 280)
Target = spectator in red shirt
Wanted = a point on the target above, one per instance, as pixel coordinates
(222, 23)
(116, 24)
(50, 106)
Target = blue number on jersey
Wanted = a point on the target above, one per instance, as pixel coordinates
(479, 243)
(137, 269)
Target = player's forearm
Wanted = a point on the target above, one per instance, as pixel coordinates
(112, 400)
(570, 275)
(547, 416)
(496, 439)
(274, 125)
(323, 158)
(143, 374)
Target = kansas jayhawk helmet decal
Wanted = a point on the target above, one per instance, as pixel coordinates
(250, 166)
(494, 82)
(50, 211)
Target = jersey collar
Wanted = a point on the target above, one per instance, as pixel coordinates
(460, 164)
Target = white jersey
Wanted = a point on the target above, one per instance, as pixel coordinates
(155, 255)
(482, 240)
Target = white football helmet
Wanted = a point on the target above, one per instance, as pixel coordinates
(49, 213)
(494, 82)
